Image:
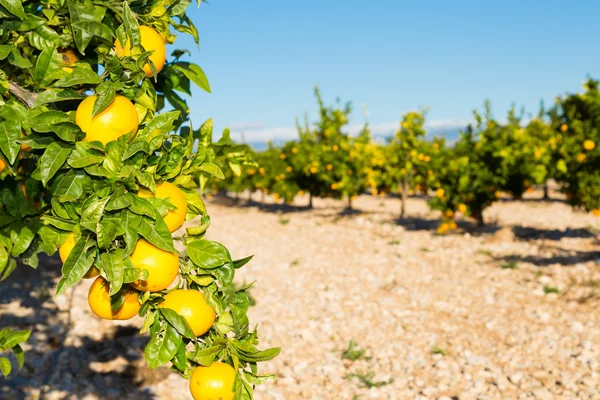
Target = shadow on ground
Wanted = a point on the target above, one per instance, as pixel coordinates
(563, 257)
(111, 367)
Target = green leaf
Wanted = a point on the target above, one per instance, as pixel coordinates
(84, 155)
(18, 350)
(23, 240)
(158, 234)
(15, 338)
(115, 271)
(95, 28)
(136, 146)
(52, 160)
(92, 213)
(106, 232)
(5, 366)
(207, 254)
(56, 95)
(260, 356)
(43, 63)
(161, 349)
(178, 322)
(134, 274)
(212, 169)
(9, 134)
(241, 262)
(15, 7)
(75, 266)
(207, 355)
(131, 26)
(79, 76)
(194, 73)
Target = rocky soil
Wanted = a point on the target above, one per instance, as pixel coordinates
(509, 311)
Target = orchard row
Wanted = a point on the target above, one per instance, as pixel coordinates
(491, 157)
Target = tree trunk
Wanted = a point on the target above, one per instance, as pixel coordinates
(262, 196)
(478, 216)
(349, 203)
(310, 200)
(546, 194)
(404, 196)
(249, 196)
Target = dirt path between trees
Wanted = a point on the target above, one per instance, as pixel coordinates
(509, 311)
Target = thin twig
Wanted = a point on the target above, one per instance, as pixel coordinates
(24, 95)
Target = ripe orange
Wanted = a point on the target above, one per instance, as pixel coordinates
(589, 145)
(190, 304)
(116, 120)
(99, 302)
(440, 193)
(65, 249)
(462, 208)
(2, 165)
(213, 383)
(161, 265)
(596, 212)
(174, 219)
(69, 58)
(151, 41)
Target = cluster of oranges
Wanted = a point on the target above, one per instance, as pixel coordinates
(118, 119)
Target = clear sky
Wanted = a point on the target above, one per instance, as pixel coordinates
(263, 58)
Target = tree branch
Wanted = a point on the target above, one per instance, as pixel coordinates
(24, 95)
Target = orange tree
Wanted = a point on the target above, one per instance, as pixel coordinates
(472, 172)
(321, 156)
(577, 126)
(524, 152)
(405, 155)
(88, 164)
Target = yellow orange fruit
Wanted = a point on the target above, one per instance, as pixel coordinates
(596, 212)
(329, 167)
(190, 304)
(2, 165)
(175, 218)
(589, 145)
(462, 208)
(99, 302)
(581, 158)
(564, 127)
(440, 193)
(151, 41)
(69, 58)
(282, 156)
(313, 170)
(213, 383)
(161, 265)
(116, 120)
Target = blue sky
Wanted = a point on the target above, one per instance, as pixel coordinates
(264, 57)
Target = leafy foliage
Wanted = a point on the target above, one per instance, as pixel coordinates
(53, 182)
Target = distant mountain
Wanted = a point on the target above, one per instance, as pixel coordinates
(451, 134)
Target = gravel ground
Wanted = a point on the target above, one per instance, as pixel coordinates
(470, 315)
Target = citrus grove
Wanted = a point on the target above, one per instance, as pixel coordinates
(490, 160)
(94, 167)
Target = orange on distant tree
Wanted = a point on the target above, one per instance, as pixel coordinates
(69, 57)
(161, 265)
(99, 302)
(213, 383)
(190, 304)
(174, 219)
(116, 120)
(65, 249)
(151, 41)
(2, 165)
